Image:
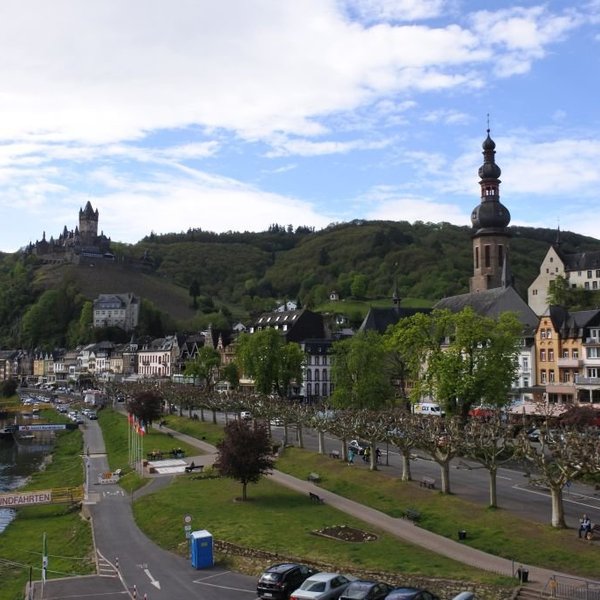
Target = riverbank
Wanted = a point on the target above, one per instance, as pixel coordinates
(69, 537)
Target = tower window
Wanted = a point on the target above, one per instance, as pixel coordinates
(486, 254)
(477, 258)
(500, 255)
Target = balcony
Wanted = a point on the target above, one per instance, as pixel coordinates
(579, 380)
(591, 342)
(570, 363)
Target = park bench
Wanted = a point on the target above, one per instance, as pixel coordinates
(594, 533)
(315, 498)
(334, 454)
(412, 515)
(314, 477)
(191, 468)
(427, 482)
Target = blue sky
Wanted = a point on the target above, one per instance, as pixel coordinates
(235, 114)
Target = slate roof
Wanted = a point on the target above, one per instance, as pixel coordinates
(492, 303)
(580, 261)
(379, 319)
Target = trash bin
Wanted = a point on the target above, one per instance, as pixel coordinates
(462, 534)
(523, 575)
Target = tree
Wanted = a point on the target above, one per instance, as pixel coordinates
(271, 362)
(361, 373)
(194, 292)
(204, 365)
(360, 286)
(8, 388)
(559, 459)
(146, 405)
(490, 442)
(461, 359)
(244, 454)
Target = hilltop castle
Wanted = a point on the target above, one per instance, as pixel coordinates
(73, 245)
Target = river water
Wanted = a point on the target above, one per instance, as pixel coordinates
(17, 463)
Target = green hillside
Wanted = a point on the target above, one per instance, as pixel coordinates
(239, 274)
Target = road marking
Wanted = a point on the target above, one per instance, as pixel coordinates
(153, 581)
(225, 587)
(501, 477)
(548, 495)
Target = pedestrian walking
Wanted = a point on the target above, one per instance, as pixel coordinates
(351, 456)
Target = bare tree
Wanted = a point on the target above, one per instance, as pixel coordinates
(490, 442)
(404, 433)
(559, 458)
(441, 439)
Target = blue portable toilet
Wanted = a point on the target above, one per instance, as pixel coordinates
(202, 549)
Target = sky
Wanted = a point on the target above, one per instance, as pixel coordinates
(232, 115)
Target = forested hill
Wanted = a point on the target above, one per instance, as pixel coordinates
(429, 260)
(241, 273)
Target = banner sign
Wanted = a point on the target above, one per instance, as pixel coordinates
(43, 427)
(25, 499)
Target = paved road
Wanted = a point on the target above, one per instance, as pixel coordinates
(129, 564)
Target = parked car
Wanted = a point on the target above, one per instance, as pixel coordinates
(410, 593)
(276, 422)
(279, 580)
(92, 415)
(322, 586)
(246, 415)
(366, 590)
(534, 435)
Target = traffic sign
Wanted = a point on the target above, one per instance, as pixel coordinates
(187, 519)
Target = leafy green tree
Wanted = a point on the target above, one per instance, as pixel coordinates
(271, 362)
(204, 366)
(244, 454)
(360, 286)
(194, 292)
(230, 373)
(361, 373)
(8, 388)
(461, 359)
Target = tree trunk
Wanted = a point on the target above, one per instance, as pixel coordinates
(445, 473)
(406, 474)
(202, 414)
(214, 416)
(558, 509)
(493, 492)
(321, 437)
(300, 435)
(285, 434)
(373, 459)
(244, 496)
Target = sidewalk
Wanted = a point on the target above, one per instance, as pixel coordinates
(401, 528)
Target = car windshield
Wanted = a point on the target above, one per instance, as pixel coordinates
(271, 577)
(357, 591)
(313, 586)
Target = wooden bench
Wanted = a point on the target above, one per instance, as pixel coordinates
(191, 468)
(315, 498)
(594, 533)
(334, 454)
(314, 477)
(428, 482)
(412, 515)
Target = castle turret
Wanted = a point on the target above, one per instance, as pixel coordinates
(88, 224)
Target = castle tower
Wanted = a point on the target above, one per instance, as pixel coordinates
(490, 220)
(88, 225)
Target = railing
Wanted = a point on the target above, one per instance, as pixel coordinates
(579, 380)
(571, 588)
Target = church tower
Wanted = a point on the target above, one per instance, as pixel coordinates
(490, 220)
(88, 225)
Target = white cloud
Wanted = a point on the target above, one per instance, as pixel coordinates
(300, 147)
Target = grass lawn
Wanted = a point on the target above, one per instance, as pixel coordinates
(494, 531)
(280, 520)
(69, 538)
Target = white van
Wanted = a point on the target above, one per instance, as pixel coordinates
(428, 408)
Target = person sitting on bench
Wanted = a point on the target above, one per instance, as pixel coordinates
(585, 526)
